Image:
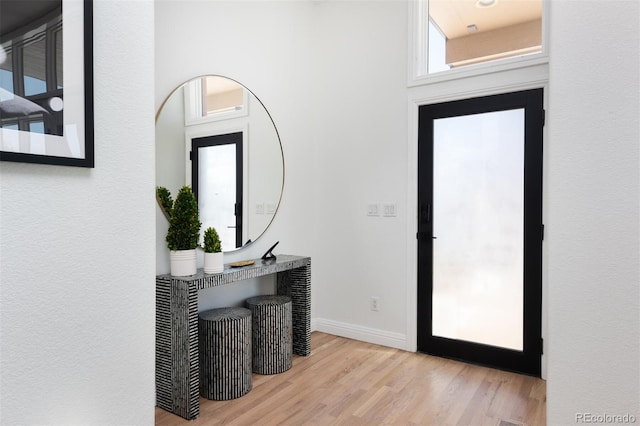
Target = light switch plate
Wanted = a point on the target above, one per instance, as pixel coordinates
(373, 210)
(389, 210)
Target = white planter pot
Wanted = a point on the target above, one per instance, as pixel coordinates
(183, 262)
(213, 263)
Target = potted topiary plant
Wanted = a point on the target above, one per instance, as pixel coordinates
(213, 260)
(184, 230)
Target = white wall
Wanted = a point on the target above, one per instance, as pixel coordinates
(333, 77)
(264, 45)
(593, 216)
(360, 128)
(77, 263)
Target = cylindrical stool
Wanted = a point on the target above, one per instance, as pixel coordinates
(272, 333)
(224, 342)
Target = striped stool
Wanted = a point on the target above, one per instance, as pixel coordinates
(272, 333)
(224, 343)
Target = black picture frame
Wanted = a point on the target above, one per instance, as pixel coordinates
(80, 99)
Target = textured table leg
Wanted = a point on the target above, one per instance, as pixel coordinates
(177, 380)
(296, 283)
(163, 344)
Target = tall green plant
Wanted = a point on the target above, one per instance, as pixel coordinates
(212, 241)
(184, 222)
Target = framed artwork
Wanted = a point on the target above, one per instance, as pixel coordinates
(46, 82)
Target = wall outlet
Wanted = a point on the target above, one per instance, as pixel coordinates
(260, 208)
(373, 210)
(375, 303)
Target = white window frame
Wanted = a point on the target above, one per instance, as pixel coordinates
(419, 41)
(193, 114)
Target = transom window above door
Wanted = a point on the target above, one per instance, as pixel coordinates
(453, 34)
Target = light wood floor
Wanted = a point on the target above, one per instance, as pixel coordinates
(346, 382)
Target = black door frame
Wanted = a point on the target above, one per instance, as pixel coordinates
(225, 139)
(527, 361)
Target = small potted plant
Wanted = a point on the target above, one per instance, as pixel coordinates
(184, 230)
(213, 258)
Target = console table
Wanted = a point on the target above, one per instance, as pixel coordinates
(177, 380)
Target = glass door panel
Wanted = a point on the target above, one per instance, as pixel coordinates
(478, 210)
(217, 190)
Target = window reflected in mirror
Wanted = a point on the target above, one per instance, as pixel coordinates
(221, 94)
(212, 98)
(466, 32)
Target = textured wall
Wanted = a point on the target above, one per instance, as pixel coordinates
(592, 239)
(77, 259)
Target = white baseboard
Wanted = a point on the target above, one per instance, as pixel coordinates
(357, 332)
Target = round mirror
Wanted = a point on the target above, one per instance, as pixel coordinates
(214, 134)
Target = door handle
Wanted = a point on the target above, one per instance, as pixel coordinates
(425, 236)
